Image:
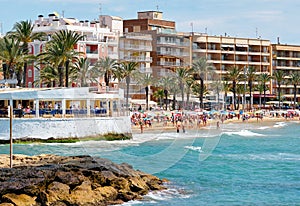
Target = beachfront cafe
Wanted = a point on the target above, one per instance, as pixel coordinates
(60, 102)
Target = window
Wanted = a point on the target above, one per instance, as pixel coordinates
(29, 84)
(30, 73)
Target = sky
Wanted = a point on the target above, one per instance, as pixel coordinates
(265, 19)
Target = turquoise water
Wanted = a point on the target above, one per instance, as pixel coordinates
(238, 164)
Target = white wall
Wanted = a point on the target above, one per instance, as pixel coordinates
(62, 128)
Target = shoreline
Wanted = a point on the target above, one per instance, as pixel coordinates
(211, 124)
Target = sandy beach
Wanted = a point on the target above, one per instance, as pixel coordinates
(211, 124)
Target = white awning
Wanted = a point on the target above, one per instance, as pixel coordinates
(241, 45)
(228, 45)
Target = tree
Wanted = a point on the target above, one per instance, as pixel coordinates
(234, 76)
(105, 66)
(260, 89)
(125, 70)
(84, 72)
(226, 88)
(166, 83)
(60, 53)
(279, 77)
(264, 78)
(23, 32)
(12, 58)
(202, 69)
(159, 94)
(183, 74)
(251, 77)
(295, 80)
(146, 80)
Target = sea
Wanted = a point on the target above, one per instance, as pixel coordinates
(235, 164)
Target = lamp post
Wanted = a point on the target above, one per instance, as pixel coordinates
(244, 95)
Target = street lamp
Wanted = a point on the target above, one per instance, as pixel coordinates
(244, 95)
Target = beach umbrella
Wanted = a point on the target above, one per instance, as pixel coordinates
(224, 112)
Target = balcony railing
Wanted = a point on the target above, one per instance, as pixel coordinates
(136, 59)
(177, 64)
(136, 47)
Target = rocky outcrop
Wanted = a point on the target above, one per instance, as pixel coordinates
(50, 180)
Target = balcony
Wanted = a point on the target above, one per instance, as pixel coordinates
(135, 47)
(171, 64)
(173, 43)
(146, 70)
(136, 59)
(172, 53)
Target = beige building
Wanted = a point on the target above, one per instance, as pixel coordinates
(224, 52)
(286, 58)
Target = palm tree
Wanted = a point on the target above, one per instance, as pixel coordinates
(84, 72)
(23, 32)
(251, 77)
(260, 89)
(202, 69)
(264, 78)
(166, 83)
(217, 88)
(295, 80)
(12, 58)
(226, 87)
(234, 76)
(146, 80)
(189, 83)
(48, 75)
(105, 66)
(196, 89)
(279, 77)
(159, 94)
(183, 74)
(240, 89)
(125, 70)
(60, 51)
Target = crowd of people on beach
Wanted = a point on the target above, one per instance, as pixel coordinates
(181, 120)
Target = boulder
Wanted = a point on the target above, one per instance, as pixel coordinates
(77, 180)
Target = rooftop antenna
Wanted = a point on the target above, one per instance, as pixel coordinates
(100, 9)
(63, 14)
(256, 32)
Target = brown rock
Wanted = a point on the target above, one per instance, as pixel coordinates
(19, 200)
(78, 180)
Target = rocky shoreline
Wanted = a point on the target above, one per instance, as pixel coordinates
(50, 180)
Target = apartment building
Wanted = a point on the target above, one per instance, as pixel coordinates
(286, 58)
(170, 50)
(224, 52)
(101, 37)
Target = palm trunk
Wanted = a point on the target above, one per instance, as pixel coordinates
(127, 90)
(67, 73)
(264, 95)
(187, 99)
(147, 93)
(250, 94)
(166, 98)
(60, 72)
(5, 71)
(234, 95)
(279, 95)
(174, 101)
(295, 95)
(201, 93)
(19, 78)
